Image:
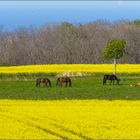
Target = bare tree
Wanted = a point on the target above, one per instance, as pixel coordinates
(68, 43)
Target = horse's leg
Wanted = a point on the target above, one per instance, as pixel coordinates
(50, 84)
(104, 81)
(113, 82)
(46, 84)
(110, 82)
(69, 82)
(66, 83)
(58, 84)
(36, 84)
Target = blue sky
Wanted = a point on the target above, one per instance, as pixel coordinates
(15, 14)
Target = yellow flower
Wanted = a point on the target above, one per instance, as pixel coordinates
(71, 68)
(69, 119)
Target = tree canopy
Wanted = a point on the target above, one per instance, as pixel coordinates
(115, 49)
(137, 22)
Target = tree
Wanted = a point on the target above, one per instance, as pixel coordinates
(137, 22)
(69, 36)
(115, 49)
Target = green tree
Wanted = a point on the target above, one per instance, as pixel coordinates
(115, 49)
(137, 22)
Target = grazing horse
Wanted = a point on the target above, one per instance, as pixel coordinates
(43, 80)
(111, 78)
(63, 79)
(137, 85)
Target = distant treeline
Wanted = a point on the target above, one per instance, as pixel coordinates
(68, 43)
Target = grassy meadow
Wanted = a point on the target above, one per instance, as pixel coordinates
(89, 87)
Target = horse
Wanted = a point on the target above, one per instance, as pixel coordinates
(63, 79)
(137, 85)
(43, 80)
(111, 78)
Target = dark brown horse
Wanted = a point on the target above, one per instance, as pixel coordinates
(111, 78)
(43, 80)
(63, 79)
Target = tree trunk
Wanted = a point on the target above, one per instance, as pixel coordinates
(114, 66)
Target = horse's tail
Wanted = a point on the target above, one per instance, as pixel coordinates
(104, 79)
(69, 82)
(57, 81)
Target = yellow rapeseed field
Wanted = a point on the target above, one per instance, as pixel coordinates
(61, 68)
(69, 119)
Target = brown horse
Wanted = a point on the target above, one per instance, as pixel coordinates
(43, 80)
(137, 85)
(63, 79)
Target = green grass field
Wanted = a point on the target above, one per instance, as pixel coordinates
(82, 88)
